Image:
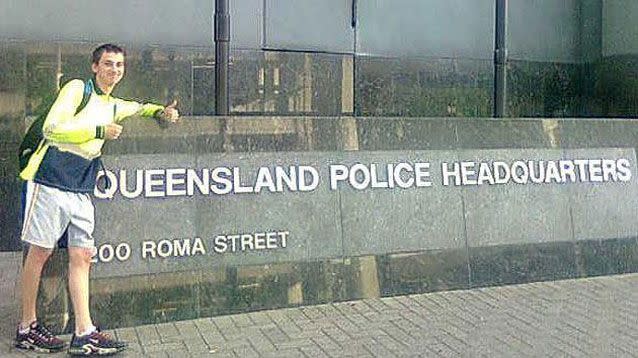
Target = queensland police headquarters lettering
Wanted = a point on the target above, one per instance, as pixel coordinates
(227, 180)
(175, 182)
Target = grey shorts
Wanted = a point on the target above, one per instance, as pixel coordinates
(48, 212)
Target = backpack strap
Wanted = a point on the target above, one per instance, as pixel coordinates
(88, 89)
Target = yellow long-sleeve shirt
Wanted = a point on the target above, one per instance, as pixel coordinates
(74, 141)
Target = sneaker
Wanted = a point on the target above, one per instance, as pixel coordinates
(96, 343)
(39, 339)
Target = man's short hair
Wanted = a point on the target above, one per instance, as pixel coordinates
(97, 53)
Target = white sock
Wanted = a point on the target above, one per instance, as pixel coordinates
(26, 329)
(88, 331)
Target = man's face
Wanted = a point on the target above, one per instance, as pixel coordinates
(110, 69)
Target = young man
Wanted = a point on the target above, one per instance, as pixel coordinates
(59, 178)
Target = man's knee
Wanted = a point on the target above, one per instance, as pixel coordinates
(81, 254)
(39, 254)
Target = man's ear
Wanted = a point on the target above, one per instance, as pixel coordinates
(94, 67)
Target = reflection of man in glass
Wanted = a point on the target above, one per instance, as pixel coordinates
(59, 178)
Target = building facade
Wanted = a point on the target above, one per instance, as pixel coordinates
(335, 76)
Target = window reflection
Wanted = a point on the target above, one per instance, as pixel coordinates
(152, 74)
(203, 84)
(286, 83)
(423, 88)
(262, 83)
(541, 89)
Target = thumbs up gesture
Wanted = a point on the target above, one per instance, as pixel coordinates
(170, 113)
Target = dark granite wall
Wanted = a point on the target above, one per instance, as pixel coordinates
(616, 86)
(12, 105)
(547, 240)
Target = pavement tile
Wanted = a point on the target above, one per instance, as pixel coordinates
(133, 350)
(378, 350)
(261, 343)
(329, 311)
(187, 328)
(178, 353)
(346, 325)
(313, 352)
(356, 350)
(275, 334)
(312, 313)
(390, 343)
(171, 346)
(398, 335)
(296, 343)
(285, 353)
(207, 331)
(291, 331)
(242, 321)
(295, 315)
(240, 333)
(126, 334)
(336, 334)
(168, 332)
(148, 335)
(208, 340)
(199, 346)
(346, 308)
(224, 354)
(235, 343)
(245, 352)
(217, 350)
(325, 342)
(284, 323)
(261, 318)
(225, 325)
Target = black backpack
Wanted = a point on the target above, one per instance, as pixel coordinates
(34, 136)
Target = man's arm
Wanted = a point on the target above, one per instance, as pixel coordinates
(129, 108)
(60, 124)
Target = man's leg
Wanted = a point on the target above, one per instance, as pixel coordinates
(31, 334)
(31, 272)
(42, 226)
(79, 267)
(87, 340)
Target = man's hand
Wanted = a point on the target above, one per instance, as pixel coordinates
(112, 131)
(170, 113)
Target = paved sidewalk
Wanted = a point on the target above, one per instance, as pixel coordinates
(591, 317)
